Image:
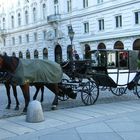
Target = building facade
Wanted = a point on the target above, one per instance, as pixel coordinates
(41, 28)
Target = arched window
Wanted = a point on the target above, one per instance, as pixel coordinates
(44, 11)
(45, 53)
(26, 17)
(19, 19)
(12, 22)
(20, 55)
(118, 45)
(35, 54)
(136, 44)
(27, 54)
(58, 54)
(34, 14)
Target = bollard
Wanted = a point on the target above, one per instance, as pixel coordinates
(34, 112)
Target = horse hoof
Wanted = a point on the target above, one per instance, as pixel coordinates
(25, 110)
(54, 107)
(7, 107)
(16, 108)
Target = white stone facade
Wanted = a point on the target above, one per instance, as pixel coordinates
(45, 26)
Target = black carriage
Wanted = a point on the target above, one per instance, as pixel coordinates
(115, 70)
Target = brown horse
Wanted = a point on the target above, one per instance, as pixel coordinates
(10, 65)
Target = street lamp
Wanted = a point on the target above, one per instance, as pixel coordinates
(71, 36)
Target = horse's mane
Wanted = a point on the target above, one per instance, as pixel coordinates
(10, 63)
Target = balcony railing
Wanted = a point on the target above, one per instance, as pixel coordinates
(53, 18)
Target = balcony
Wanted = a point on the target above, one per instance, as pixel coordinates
(53, 18)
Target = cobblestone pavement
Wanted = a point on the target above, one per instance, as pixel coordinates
(104, 97)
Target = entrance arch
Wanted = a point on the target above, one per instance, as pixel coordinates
(119, 45)
(35, 54)
(58, 54)
(45, 53)
(101, 46)
(87, 52)
(28, 54)
(20, 55)
(136, 44)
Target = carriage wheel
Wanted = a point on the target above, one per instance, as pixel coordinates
(118, 91)
(89, 93)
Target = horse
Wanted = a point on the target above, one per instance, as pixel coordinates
(12, 64)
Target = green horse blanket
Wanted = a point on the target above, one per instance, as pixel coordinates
(37, 71)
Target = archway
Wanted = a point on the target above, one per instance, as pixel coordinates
(45, 53)
(20, 55)
(136, 44)
(35, 54)
(87, 52)
(28, 54)
(101, 46)
(118, 45)
(58, 54)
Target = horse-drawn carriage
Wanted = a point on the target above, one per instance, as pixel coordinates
(115, 70)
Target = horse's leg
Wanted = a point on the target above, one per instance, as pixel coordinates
(15, 95)
(42, 93)
(26, 94)
(54, 88)
(7, 86)
(36, 93)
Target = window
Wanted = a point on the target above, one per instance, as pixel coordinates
(137, 17)
(55, 1)
(13, 40)
(34, 14)
(3, 20)
(101, 24)
(44, 11)
(56, 7)
(26, 17)
(118, 21)
(44, 35)
(86, 27)
(20, 39)
(4, 41)
(55, 33)
(12, 21)
(19, 19)
(27, 38)
(69, 7)
(35, 37)
(99, 1)
(85, 3)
